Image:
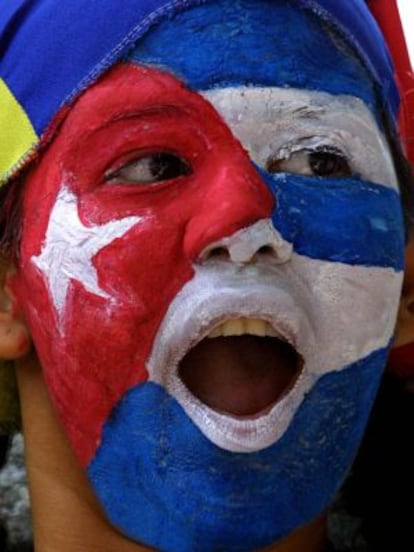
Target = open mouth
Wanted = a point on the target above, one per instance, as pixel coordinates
(242, 368)
(232, 351)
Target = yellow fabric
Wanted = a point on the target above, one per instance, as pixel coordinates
(17, 135)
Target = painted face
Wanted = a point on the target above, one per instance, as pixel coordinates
(211, 272)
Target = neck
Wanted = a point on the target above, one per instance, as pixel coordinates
(311, 538)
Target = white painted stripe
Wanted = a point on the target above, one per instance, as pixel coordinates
(277, 122)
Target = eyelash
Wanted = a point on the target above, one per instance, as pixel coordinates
(149, 169)
(323, 161)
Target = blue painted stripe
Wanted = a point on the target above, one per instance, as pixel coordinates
(341, 220)
(50, 49)
(360, 29)
(163, 483)
(230, 53)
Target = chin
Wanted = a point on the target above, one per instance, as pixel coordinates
(163, 482)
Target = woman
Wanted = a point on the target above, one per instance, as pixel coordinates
(209, 250)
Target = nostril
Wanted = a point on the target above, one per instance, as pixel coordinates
(220, 253)
(258, 243)
(266, 250)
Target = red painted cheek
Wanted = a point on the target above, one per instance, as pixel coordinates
(104, 343)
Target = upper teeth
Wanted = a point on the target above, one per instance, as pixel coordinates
(242, 326)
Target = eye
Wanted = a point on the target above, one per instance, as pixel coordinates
(323, 162)
(150, 169)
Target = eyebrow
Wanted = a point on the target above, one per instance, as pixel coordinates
(133, 112)
(307, 112)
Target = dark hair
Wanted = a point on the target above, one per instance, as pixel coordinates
(405, 175)
(10, 217)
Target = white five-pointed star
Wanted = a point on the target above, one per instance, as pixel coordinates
(70, 246)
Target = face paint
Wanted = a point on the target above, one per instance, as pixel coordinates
(163, 224)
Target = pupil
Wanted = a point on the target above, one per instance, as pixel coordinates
(164, 166)
(325, 163)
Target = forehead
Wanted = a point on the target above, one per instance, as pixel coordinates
(262, 61)
(256, 43)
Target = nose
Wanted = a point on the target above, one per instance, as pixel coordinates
(231, 195)
(258, 241)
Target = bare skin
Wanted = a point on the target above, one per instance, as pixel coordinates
(405, 327)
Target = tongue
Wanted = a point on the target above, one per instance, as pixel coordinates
(240, 375)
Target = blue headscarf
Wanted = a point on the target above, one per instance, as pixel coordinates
(51, 50)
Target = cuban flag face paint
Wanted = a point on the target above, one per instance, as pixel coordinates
(211, 264)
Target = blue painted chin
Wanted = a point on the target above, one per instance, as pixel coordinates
(162, 483)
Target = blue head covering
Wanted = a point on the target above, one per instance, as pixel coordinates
(51, 50)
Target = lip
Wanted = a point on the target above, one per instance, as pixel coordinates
(313, 304)
(216, 294)
(175, 340)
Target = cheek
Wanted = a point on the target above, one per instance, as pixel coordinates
(113, 337)
(96, 349)
(143, 278)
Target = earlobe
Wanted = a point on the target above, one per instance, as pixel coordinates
(14, 336)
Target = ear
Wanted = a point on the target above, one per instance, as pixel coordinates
(14, 336)
(405, 321)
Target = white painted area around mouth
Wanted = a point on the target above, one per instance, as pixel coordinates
(216, 294)
(314, 305)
